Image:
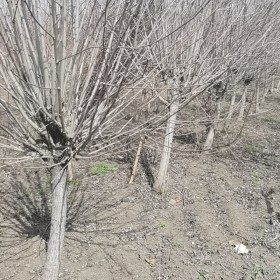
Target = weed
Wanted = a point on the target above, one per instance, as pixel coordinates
(258, 273)
(249, 148)
(270, 120)
(178, 244)
(203, 274)
(162, 226)
(103, 168)
(256, 174)
(73, 183)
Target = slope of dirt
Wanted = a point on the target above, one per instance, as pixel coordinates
(125, 232)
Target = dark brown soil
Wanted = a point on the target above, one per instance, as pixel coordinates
(125, 232)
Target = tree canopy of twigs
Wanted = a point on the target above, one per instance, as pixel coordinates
(67, 68)
(63, 66)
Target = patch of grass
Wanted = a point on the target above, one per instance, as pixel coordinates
(103, 168)
(74, 183)
(179, 244)
(203, 274)
(270, 119)
(256, 174)
(250, 148)
(258, 273)
(162, 226)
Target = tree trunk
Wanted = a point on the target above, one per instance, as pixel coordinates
(243, 105)
(70, 171)
(210, 138)
(273, 84)
(212, 129)
(160, 182)
(257, 98)
(266, 92)
(230, 111)
(58, 223)
(277, 87)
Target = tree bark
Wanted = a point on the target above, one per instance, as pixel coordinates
(212, 129)
(266, 92)
(230, 111)
(160, 182)
(58, 223)
(210, 138)
(243, 105)
(70, 171)
(257, 97)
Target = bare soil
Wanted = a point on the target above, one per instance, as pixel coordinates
(124, 232)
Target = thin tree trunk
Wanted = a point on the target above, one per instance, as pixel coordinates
(210, 138)
(160, 182)
(266, 92)
(278, 86)
(58, 223)
(70, 171)
(257, 98)
(212, 129)
(243, 105)
(136, 160)
(273, 86)
(230, 111)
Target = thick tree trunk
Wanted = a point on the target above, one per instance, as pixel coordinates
(160, 182)
(58, 223)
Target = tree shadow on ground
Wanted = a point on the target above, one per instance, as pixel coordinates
(25, 208)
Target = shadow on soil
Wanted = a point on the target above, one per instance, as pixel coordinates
(25, 208)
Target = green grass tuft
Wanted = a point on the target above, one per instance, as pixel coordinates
(250, 149)
(270, 119)
(103, 168)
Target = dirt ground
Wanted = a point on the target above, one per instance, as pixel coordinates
(125, 232)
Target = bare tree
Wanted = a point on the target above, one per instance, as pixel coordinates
(190, 59)
(64, 66)
(174, 47)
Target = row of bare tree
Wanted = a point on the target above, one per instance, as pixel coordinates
(74, 74)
